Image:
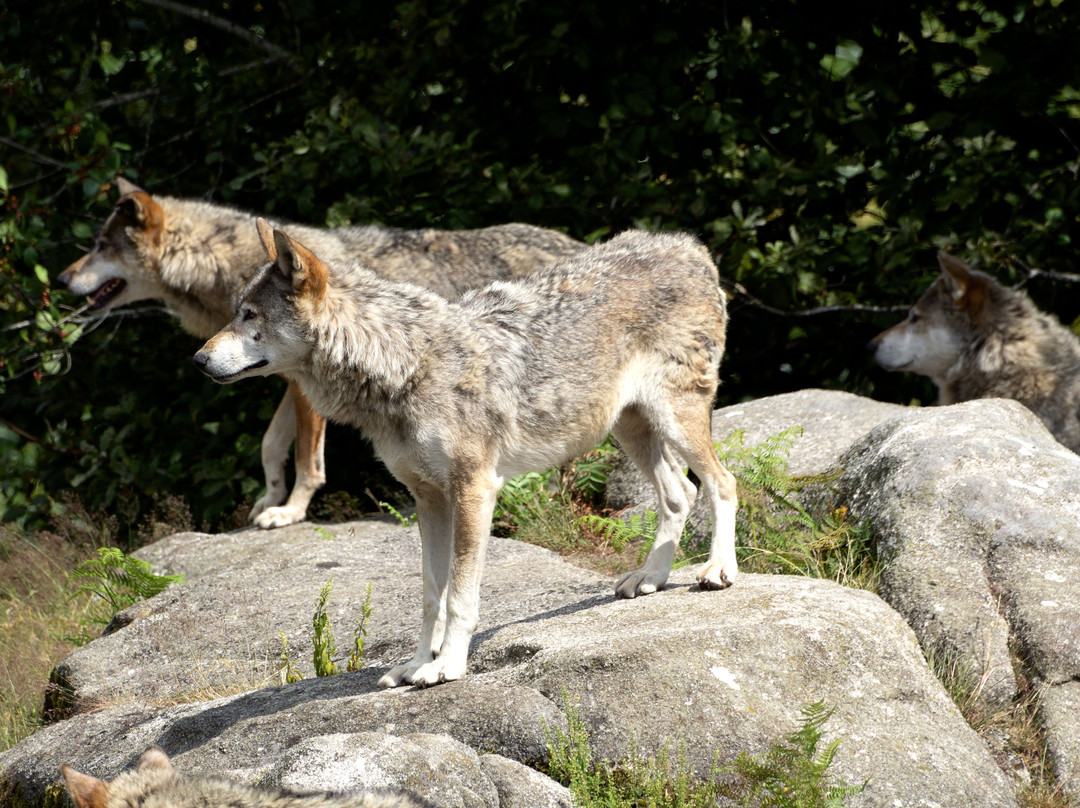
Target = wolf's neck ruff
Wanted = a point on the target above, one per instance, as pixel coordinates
(374, 337)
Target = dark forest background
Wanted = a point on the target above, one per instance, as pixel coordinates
(823, 156)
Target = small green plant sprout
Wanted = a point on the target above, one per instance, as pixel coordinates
(405, 521)
(323, 533)
(794, 774)
(324, 645)
(323, 639)
(356, 658)
(288, 671)
(117, 579)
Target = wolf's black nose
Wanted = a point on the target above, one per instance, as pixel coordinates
(200, 359)
(871, 346)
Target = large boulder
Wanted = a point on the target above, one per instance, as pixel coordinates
(716, 672)
(976, 513)
(976, 510)
(221, 631)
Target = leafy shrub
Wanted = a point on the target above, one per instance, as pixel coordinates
(822, 161)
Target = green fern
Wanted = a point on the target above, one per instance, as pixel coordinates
(794, 774)
(777, 533)
(587, 476)
(620, 532)
(118, 579)
(522, 497)
(635, 782)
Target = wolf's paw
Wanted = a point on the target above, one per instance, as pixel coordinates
(639, 582)
(280, 516)
(423, 674)
(714, 575)
(436, 672)
(397, 676)
(267, 500)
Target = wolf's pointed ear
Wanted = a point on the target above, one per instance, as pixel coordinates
(153, 758)
(266, 236)
(126, 186)
(86, 791)
(307, 273)
(970, 290)
(141, 211)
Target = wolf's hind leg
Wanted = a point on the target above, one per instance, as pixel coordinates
(310, 465)
(693, 438)
(275, 452)
(648, 450)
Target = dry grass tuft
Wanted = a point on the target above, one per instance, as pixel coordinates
(39, 625)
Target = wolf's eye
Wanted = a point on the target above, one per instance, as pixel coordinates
(249, 314)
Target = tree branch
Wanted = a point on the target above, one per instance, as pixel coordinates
(739, 292)
(225, 25)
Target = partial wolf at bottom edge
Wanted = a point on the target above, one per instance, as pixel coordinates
(625, 337)
(976, 338)
(155, 783)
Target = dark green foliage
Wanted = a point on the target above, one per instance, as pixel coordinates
(821, 156)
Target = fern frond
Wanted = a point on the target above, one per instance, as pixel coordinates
(620, 532)
(119, 579)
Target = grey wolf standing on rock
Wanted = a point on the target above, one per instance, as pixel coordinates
(195, 256)
(978, 339)
(156, 784)
(458, 397)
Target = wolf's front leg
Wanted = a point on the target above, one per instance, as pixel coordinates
(471, 508)
(279, 436)
(310, 431)
(436, 536)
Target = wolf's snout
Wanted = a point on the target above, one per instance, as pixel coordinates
(201, 360)
(872, 345)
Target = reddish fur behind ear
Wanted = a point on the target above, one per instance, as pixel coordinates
(144, 213)
(308, 273)
(970, 291)
(86, 791)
